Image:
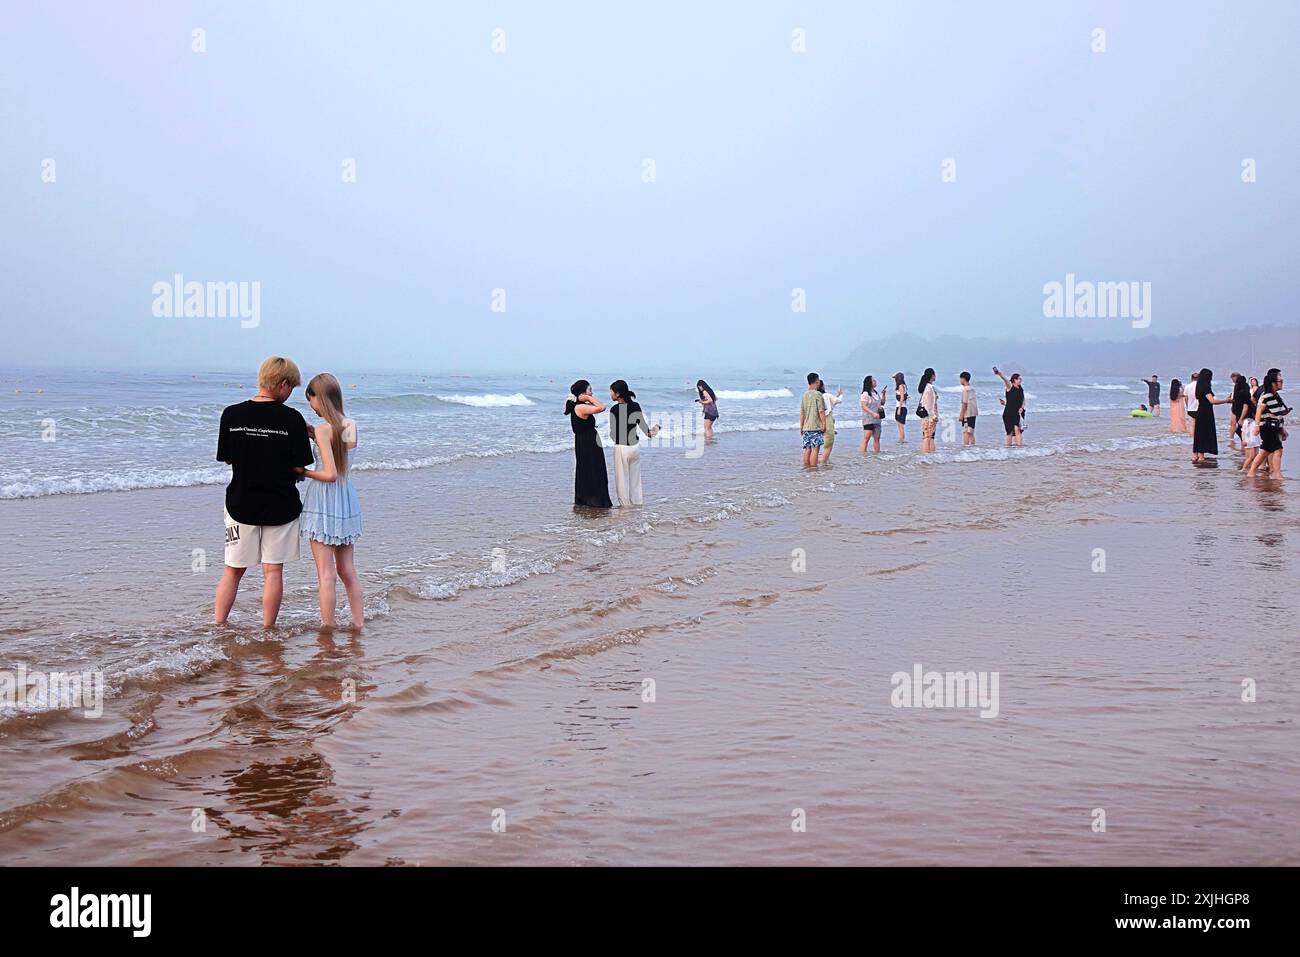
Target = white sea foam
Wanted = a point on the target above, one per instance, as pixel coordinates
(489, 401)
(114, 482)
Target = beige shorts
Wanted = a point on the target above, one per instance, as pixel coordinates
(249, 545)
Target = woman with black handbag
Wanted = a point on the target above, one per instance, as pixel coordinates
(927, 410)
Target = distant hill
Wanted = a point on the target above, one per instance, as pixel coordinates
(1251, 350)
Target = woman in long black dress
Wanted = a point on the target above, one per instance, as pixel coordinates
(1205, 437)
(590, 480)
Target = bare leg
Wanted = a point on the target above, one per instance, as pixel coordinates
(272, 593)
(343, 558)
(323, 555)
(227, 588)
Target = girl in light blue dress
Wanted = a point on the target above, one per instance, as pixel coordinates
(331, 512)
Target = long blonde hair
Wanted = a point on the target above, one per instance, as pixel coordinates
(326, 388)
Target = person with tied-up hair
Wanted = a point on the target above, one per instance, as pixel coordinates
(1270, 415)
(590, 479)
(626, 420)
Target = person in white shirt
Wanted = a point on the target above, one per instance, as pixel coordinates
(969, 409)
(831, 401)
(930, 407)
(873, 414)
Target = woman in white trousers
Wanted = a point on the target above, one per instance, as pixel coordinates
(625, 421)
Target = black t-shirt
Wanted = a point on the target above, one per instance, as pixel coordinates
(263, 442)
(624, 420)
(1153, 392)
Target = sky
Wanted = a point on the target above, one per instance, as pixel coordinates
(502, 215)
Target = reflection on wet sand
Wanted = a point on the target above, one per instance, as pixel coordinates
(285, 808)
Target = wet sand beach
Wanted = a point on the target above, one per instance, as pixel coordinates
(515, 693)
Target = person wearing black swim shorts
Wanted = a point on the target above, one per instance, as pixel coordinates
(900, 405)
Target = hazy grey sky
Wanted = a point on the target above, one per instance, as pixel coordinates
(523, 170)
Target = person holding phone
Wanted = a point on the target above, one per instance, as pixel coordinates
(1013, 405)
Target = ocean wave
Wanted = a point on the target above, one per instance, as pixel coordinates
(1108, 388)
(114, 482)
(737, 394)
(490, 400)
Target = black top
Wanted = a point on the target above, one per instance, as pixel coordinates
(1153, 392)
(263, 442)
(581, 425)
(1015, 399)
(625, 418)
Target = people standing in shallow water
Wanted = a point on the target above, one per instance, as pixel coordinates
(900, 405)
(263, 441)
(1205, 438)
(1013, 407)
(625, 420)
(968, 411)
(331, 511)
(873, 414)
(590, 479)
(1153, 393)
(1270, 414)
(1177, 407)
(1250, 439)
(812, 422)
(928, 410)
(831, 401)
(1240, 396)
(708, 400)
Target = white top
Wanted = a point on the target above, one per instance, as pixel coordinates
(872, 401)
(831, 401)
(968, 396)
(930, 399)
(1190, 389)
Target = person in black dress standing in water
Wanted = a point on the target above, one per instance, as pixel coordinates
(1205, 438)
(590, 480)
